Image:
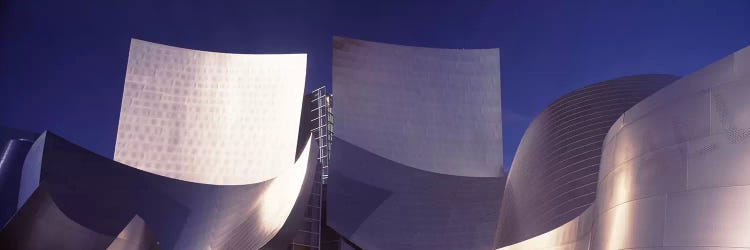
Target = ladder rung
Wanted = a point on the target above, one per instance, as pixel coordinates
(304, 245)
(316, 109)
(305, 231)
(319, 88)
(316, 118)
(319, 97)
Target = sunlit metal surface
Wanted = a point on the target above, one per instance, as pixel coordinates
(574, 234)
(417, 156)
(210, 117)
(32, 170)
(675, 171)
(554, 174)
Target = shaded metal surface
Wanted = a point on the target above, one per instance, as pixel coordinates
(135, 236)
(12, 156)
(675, 171)
(417, 161)
(8, 133)
(430, 109)
(184, 110)
(377, 203)
(41, 225)
(103, 196)
(554, 174)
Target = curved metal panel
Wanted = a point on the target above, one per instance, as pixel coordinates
(32, 169)
(554, 174)
(208, 117)
(431, 109)
(572, 235)
(42, 225)
(417, 161)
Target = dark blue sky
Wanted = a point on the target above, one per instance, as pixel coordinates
(62, 63)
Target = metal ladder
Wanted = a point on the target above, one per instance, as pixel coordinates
(323, 111)
(309, 236)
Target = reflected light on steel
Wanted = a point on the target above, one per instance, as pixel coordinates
(622, 186)
(618, 230)
(278, 200)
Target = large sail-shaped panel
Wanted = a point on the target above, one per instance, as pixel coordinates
(209, 117)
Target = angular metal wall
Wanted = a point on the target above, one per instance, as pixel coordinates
(208, 117)
(417, 158)
(554, 174)
(674, 171)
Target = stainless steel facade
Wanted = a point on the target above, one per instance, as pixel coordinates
(620, 164)
(674, 172)
(222, 158)
(554, 174)
(417, 156)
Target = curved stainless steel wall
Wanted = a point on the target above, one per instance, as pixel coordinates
(417, 161)
(674, 171)
(676, 168)
(554, 174)
(98, 197)
(208, 117)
